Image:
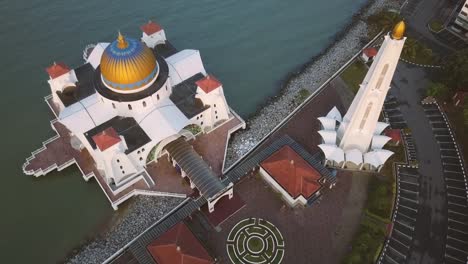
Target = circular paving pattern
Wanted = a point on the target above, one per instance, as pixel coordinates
(255, 241)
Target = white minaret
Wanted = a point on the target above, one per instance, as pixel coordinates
(358, 138)
(359, 123)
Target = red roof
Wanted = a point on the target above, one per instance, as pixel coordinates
(370, 52)
(57, 69)
(292, 172)
(208, 84)
(150, 28)
(395, 134)
(179, 246)
(106, 139)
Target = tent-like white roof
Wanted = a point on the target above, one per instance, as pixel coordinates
(95, 57)
(335, 114)
(328, 136)
(354, 155)
(184, 65)
(380, 127)
(78, 119)
(377, 157)
(163, 121)
(327, 123)
(332, 152)
(379, 141)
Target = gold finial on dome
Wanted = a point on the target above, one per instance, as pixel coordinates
(399, 30)
(121, 42)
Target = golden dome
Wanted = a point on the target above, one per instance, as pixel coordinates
(128, 64)
(399, 30)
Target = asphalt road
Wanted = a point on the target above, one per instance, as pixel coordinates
(428, 245)
(418, 13)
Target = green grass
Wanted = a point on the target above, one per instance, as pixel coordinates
(379, 198)
(301, 96)
(354, 75)
(436, 25)
(423, 54)
(455, 116)
(255, 244)
(367, 242)
(381, 189)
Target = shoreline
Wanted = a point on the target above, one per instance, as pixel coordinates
(96, 248)
(309, 75)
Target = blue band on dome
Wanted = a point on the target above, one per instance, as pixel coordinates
(135, 85)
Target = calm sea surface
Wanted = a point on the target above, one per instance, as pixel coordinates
(249, 45)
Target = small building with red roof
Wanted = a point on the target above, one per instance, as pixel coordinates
(208, 84)
(179, 246)
(394, 135)
(369, 54)
(153, 34)
(106, 138)
(292, 176)
(57, 69)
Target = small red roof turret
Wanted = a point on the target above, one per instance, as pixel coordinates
(370, 52)
(57, 70)
(208, 84)
(106, 138)
(151, 28)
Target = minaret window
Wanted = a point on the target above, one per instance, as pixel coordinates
(129, 107)
(382, 76)
(144, 104)
(157, 96)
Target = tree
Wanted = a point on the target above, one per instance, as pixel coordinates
(389, 20)
(437, 90)
(384, 20)
(455, 70)
(410, 49)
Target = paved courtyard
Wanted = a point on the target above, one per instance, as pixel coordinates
(319, 232)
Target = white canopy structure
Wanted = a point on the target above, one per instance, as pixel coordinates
(335, 114)
(328, 136)
(379, 141)
(354, 156)
(333, 153)
(377, 158)
(327, 123)
(380, 127)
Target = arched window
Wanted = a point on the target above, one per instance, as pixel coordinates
(157, 96)
(144, 104)
(129, 107)
(113, 105)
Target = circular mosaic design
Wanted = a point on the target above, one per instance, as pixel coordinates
(255, 241)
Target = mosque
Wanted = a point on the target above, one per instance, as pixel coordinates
(135, 101)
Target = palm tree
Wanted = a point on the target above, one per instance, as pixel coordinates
(389, 20)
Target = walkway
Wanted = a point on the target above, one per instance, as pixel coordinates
(195, 167)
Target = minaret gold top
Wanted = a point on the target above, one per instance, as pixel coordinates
(399, 30)
(121, 42)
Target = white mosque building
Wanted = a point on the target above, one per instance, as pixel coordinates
(132, 97)
(355, 141)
